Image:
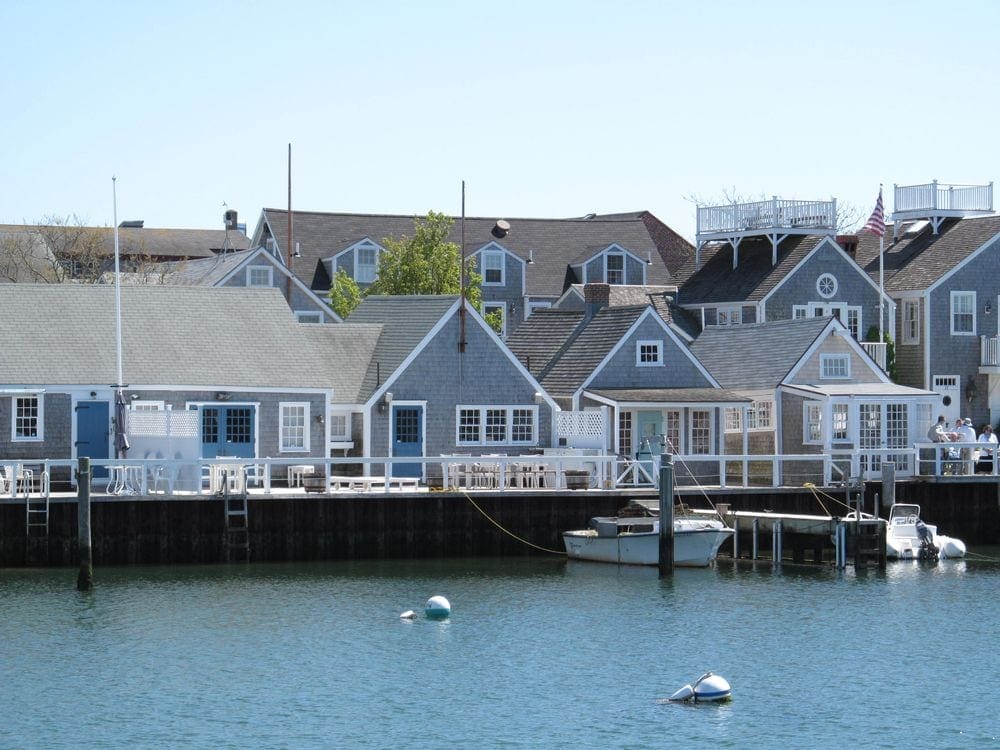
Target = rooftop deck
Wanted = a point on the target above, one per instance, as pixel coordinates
(936, 202)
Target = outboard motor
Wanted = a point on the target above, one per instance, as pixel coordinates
(928, 550)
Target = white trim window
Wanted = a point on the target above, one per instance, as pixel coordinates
(308, 316)
(812, 422)
(729, 316)
(493, 268)
(293, 427)
(826, 285)
(340, 425)
(365, 263)
(834, 366)
(840, 423)
(27, 417)
(700, 435)
(733, 419)
(140, 405)
(258, 276)
(963, 313)
(614, 268)
(649, 353)
(500, 307)
(759, 417)
(496, 425)
(910, 322)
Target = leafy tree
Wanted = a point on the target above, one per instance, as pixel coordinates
(424, 263)
(890, 350)
(345, 294)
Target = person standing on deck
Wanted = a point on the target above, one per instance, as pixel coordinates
(966, 434)
(986, 453)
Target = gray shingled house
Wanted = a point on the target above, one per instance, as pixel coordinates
(814, 389)
(942, 268)
(257, 268)
(438, 380)
(526, 264)
(629, 361)
(261, 383)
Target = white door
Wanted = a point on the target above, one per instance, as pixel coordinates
(949, 388)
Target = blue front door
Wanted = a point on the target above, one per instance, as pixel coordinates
(93, 433)
(648, 438)
(227, 431)
(407, 438)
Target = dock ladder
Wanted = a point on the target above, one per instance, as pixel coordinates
(36, 513)
(237, 533)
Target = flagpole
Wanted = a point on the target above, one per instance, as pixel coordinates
(881, 279)
(118, 284)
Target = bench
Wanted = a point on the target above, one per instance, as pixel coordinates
(367, 484)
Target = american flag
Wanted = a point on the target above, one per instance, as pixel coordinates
(876, 222)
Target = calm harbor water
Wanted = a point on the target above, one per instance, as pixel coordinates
(538, 653)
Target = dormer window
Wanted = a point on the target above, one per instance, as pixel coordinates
(365, 264)
(614, 268)
(492, 267)
(649, 353)
(260, 276)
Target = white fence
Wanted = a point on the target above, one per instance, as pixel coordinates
(933, 197)
(775, 213)
(989, 351)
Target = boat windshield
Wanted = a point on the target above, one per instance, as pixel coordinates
(903, 512)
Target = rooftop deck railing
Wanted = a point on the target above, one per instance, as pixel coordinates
(934, 196)
(876, 350)
(773, 214)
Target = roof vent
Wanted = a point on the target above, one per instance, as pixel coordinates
(132, 224)
(500, 229)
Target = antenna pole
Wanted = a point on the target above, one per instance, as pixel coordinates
(461, 309)
(118, 284)
(291, 245)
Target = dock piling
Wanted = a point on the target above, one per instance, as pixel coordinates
(85, 577)
(667, 516)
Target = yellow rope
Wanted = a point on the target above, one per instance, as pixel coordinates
(817, 492)
(505, 531)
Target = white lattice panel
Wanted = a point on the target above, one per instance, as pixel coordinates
(163, 424)
(581, 428)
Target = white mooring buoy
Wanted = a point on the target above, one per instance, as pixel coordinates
(437, 607)
(408, 615)
(708, 687)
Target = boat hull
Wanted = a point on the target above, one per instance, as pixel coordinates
(695, 546)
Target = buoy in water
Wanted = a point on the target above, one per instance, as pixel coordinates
(708, 687)
(408, 615)
(437, 607)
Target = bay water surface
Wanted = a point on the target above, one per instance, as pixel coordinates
(537, 653)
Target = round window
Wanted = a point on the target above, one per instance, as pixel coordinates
(826, 285)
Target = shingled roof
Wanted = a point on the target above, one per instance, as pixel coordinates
(915, 261)
(64, 334)
(754, 277)
(552, 244)
(757, 356)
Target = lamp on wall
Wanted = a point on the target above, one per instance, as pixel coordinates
(384, 402)
(319, 419)
(971, 391)
(988, 309)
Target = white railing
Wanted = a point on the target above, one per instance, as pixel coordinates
(936, 197)
(772, 214)
(989, 351)
(203, 478)
(876, 350)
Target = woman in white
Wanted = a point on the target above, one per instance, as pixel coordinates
(985, 462)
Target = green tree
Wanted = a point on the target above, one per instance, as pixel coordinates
(345, 294)
(425, 263)
(890, 350)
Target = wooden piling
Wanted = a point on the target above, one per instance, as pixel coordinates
(667, 516)
(888, 486)
(85, 578)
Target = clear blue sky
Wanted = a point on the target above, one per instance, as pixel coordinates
(544, 109)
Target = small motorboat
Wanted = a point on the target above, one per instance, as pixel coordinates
(633, 538)
(909, 538)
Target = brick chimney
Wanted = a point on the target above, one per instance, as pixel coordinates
(849, 243)
(596, 296)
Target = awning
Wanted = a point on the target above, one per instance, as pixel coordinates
(862, 390)
(660, 397)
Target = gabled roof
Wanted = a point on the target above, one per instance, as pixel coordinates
(589, 348)
(751, 280)
(157, 244)
(405, 321)
(662, 298)
(552, 245)
(196, 272)
(916, 261)
(539, 338)
(64, 334)
(758, 356)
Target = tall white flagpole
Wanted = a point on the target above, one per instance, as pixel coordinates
(881, 274)
(118, 286)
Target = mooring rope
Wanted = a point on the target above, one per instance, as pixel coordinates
(817, 492)
(510, 533)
